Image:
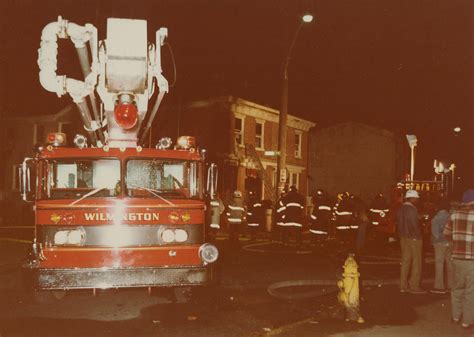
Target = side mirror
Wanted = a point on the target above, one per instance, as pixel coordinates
(27, 179)
(211, 188)
(215, 204)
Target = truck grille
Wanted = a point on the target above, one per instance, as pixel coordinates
(123, 235)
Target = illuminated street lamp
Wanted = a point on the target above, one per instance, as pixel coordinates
(283, 117)
(412, 141)
(307, 18)
(457, 129)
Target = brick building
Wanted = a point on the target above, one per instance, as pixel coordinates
(357, 158)
(236, 134)
(20, 136)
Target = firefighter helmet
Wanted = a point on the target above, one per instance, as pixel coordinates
(237, 194)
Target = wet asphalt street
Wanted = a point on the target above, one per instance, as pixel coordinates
(238, 305)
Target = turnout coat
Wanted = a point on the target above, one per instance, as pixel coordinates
(293, 214)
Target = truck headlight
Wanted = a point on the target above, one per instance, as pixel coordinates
(208, 253)
(168, 235)
(60, 237)
(181, 235)
(69, 237)
(75, 237)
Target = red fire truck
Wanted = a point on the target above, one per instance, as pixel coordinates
(109, 212)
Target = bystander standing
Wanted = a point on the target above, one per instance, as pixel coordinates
(442, 249)
(460, 230)
(410, 243)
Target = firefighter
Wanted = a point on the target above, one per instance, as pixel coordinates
(343, 210)
(256, 215)
(294, 213)
(321, 216)
(279, 217)
(379, 210)
(361, 219)
(236, 215)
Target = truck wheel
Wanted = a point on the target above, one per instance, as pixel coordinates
(173, 295)
(204, 295)
(182, 294)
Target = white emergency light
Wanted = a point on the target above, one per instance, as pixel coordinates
(186, 143)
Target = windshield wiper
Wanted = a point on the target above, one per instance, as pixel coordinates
(88, 195)
(154, 192)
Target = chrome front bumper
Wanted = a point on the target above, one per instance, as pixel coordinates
(105, 278)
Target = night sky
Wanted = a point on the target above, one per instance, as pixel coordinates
(402, 65)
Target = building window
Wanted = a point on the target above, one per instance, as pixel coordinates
(298, 138)
(259, 135)
(295, 179)
(239, 130)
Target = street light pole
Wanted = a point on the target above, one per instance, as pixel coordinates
(412, 142)
(283, 116)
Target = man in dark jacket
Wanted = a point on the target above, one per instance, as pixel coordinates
(411, 244)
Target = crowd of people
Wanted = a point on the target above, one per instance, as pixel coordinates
(346, 216)
(452, 237)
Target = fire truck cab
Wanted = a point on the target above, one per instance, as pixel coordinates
(119, 218)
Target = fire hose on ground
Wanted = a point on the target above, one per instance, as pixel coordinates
(330, 285)
(275, 289)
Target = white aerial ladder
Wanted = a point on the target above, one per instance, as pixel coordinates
(123, 70)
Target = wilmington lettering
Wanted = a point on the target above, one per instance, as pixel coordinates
(125, 217)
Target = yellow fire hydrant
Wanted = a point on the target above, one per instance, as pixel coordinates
(349, 290)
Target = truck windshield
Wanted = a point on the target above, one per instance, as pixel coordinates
(72, 179)
(157, 178)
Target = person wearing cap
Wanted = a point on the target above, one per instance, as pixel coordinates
(460, 231)
(410, 243)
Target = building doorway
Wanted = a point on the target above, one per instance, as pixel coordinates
(253, 187)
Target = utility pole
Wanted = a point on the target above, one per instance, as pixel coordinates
(283, 116)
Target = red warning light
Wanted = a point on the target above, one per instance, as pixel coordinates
(126, 115)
